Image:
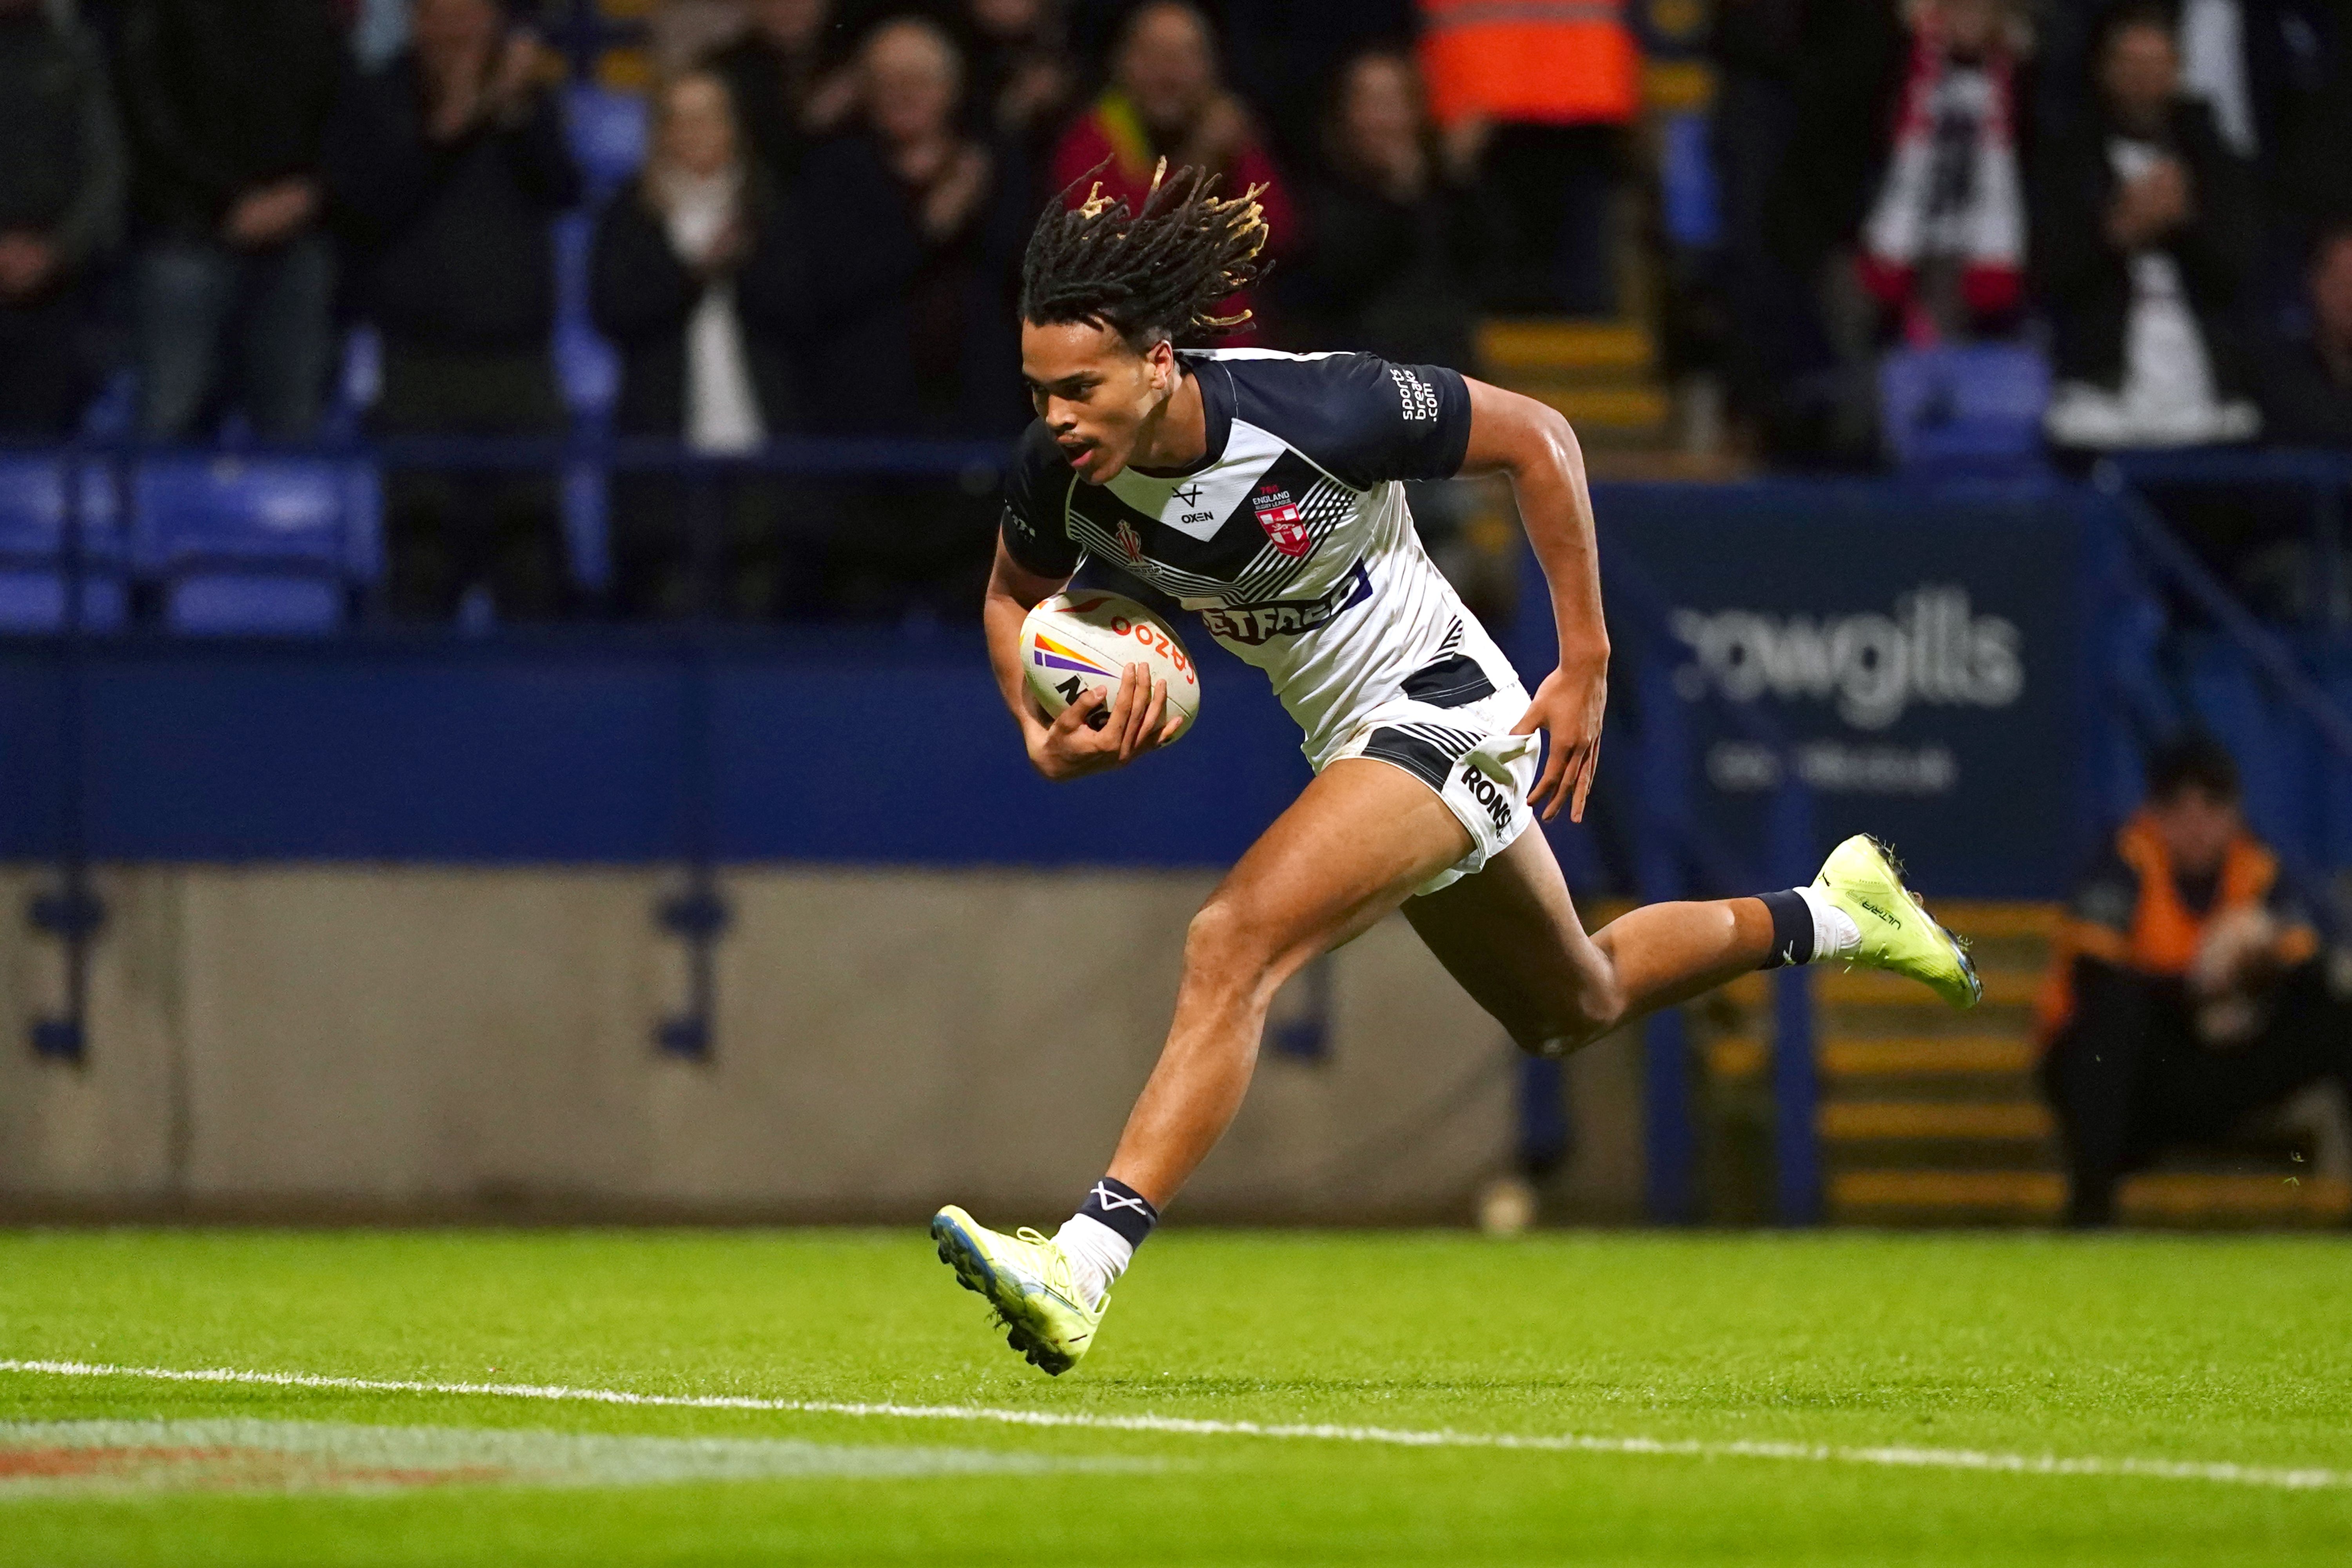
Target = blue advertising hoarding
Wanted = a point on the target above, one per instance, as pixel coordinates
(1922, 649)
(1921, 663)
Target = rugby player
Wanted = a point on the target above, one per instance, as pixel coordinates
(1264, 491)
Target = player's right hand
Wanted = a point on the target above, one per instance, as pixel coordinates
(1071, 747)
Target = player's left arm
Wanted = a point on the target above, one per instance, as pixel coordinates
(1517, 436)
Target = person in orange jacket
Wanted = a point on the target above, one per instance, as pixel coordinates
(1538, 95)
(2184, 990)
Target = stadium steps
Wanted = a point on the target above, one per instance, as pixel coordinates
(1931, 1116)
(1603, 376)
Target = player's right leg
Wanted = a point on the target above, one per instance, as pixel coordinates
(1510, 934)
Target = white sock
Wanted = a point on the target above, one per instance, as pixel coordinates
(1834, 933)
(1098, 1256)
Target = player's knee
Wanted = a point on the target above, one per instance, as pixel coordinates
(1571, 1020)
(1227, 941)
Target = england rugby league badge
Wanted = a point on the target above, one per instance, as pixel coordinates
(1278, 515)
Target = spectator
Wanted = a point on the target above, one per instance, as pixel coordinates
(2185, 992)
(2307, 381)
(685, 258)
(1771, 335)
(1166, 100)
(2256, 63)
(1022, 82)
(1393, 240)
(2145, 228)
(905, 315)
(1943, 249)
(449, 165)
(2315, 176)
(904, 319)
(227, 104)
(61, 200)
(1799, 134)
(1273, 45)
(790, 80)
(1543, 93)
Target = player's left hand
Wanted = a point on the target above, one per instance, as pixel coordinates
(1568, 707)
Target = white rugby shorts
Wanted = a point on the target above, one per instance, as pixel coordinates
(1464, 750)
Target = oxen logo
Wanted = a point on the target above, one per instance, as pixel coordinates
(1278, 515)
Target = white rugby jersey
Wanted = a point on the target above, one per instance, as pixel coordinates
(1290, 539)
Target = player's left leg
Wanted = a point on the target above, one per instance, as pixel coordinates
(1350, 850)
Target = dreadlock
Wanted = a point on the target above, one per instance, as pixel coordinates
(1149, 274)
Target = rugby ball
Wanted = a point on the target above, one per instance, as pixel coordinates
(1073, 641)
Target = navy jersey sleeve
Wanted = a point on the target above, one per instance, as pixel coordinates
(1362, 419)
(1037, 498)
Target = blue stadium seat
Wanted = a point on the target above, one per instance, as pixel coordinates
(1687, 196)
(256, 547)
(33, 546)
(607, 130)
(1974, 411)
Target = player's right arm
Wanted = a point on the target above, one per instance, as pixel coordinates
(1032, 563)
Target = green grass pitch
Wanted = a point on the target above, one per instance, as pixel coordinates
(2206, 1350)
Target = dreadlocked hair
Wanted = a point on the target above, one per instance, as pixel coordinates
(1159, 272)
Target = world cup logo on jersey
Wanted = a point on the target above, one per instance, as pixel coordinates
(1278, 515)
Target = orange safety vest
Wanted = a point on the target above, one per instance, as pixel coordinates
(2164, 936)
(1550, 62)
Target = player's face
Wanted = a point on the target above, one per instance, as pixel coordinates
(1094, 391)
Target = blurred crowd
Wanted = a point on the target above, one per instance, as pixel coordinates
(824, 236)
(2157, 196)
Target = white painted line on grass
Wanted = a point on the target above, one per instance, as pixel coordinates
(248, 1455)
(2296, 1479)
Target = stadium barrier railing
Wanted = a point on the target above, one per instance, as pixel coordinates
(2322, 479)
(2279, 696)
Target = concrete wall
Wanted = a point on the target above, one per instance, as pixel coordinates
(427, 1040)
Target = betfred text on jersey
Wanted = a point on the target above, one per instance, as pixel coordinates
(1251, 624)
